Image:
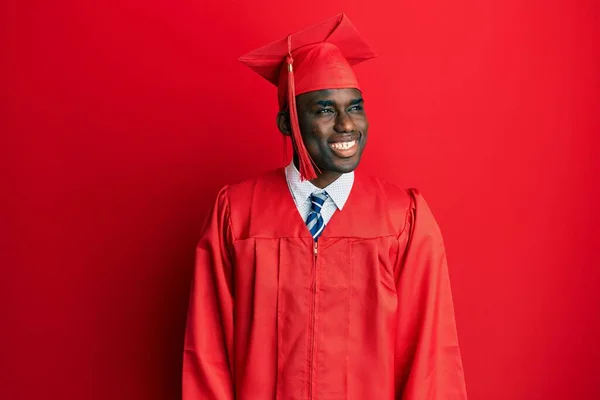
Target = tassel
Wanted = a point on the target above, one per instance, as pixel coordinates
(307, 171)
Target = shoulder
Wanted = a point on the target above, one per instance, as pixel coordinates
(401, 204)
(246, 200)
(395, 196)
(241, 192)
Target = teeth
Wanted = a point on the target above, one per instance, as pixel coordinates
(344, 145)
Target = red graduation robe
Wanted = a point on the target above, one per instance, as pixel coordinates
(366, 314)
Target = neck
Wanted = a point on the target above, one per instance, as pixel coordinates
(323, 179)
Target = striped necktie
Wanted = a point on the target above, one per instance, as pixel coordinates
(314, 222)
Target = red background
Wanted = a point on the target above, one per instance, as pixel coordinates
(121, 119)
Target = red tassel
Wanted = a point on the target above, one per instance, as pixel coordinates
(307, 171)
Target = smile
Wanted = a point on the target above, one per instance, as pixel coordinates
(343, 145)
(344, 149)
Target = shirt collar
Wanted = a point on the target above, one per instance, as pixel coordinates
(338, 190)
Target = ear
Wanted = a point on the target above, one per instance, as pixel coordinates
(283, 122)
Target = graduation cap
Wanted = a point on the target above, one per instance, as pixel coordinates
(317, 58)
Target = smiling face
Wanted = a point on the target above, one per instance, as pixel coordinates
(334, 128)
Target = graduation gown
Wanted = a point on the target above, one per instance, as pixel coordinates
(366, 313)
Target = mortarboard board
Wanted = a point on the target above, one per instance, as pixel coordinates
(316, 58)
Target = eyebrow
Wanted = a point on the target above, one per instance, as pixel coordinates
(325, 103)
(330, 103)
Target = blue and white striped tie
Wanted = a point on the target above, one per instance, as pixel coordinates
(314, 222)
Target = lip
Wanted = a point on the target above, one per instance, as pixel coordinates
(345, 138)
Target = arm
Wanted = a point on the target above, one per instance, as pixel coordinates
(427, 357)
(208, 350)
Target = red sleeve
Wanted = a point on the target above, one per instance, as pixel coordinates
(207, 357)
(427, 357)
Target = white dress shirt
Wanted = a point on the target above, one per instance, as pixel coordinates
(338, 192)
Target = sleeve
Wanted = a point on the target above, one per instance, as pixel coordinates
(208, 348)
(428, 363)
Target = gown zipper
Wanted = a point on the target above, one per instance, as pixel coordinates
(314, 312)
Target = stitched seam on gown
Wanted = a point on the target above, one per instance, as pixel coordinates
(230, 250)
(409, 212)
(350, 296)
(308, 238)
(228, 208)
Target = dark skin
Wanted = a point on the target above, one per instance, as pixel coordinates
(327, 117)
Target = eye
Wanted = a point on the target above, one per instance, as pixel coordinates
(357, 107)
(324, 111)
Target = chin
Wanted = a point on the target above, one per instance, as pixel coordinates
(345, 167)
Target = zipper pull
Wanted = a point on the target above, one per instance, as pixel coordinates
(315, 248)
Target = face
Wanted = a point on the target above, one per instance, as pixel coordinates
(334, 128)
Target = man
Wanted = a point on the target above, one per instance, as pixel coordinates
(313, 282)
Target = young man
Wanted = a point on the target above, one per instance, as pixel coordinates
(313, 282)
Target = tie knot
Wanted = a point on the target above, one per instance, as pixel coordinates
(317, 200)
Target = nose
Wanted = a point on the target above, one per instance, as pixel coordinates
(344, 123)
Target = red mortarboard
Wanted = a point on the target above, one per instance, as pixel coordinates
(317, 58)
